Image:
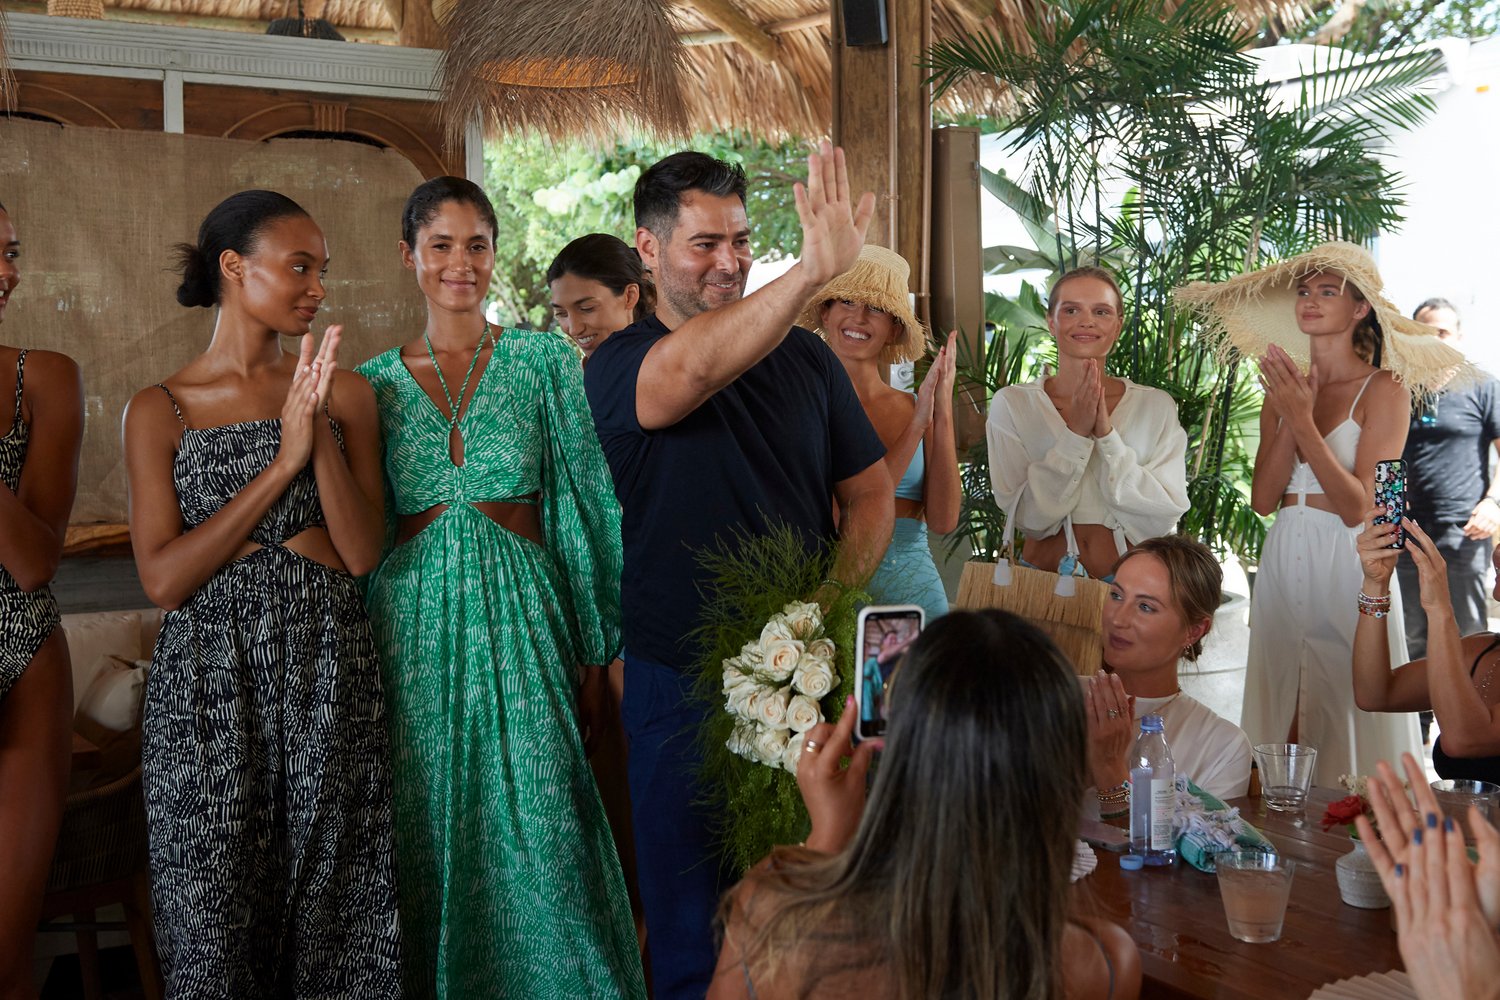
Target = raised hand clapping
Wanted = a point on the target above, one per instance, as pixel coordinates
(833, 229)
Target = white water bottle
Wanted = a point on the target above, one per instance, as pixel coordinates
(1153, 796)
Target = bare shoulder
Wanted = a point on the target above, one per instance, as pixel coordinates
(150, 412)
(1385, 387)
(52, 369)
(1100, 960)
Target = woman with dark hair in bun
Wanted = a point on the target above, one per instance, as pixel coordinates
(255, 500)
(495, 615)
(599, 285)
(38, 476)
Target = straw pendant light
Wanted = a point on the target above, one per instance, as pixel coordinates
(563, 68)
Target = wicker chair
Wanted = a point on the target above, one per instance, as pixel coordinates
(100, 861)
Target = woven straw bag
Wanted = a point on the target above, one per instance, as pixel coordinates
(1069, 609)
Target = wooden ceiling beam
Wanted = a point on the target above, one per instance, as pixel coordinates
(738, 26)
(774, 28)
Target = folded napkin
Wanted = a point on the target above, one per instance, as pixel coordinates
(1208, 827)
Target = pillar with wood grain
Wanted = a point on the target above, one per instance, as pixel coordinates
(882, 116)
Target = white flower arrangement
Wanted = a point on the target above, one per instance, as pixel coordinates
(775, 685)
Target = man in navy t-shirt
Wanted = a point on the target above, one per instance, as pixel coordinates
(718, 416)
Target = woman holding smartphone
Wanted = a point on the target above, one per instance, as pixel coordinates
(255, 501)
(1455, 680)
(1339, 364)
(38, 477)
(946, 884)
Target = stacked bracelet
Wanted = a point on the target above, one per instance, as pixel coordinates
(1114, 801)
(1375, 607)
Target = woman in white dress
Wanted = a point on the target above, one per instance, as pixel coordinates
(1083, 463)
(1337, 362)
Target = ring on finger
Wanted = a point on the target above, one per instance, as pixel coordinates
(811, 746)
(1114, 713)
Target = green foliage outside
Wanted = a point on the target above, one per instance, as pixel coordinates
(548, 194)
(1152, 150)
(1379, 25)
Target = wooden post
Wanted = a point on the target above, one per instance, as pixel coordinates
(882, 116)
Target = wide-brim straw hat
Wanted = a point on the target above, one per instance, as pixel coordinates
(878, 278)
(1252, 311)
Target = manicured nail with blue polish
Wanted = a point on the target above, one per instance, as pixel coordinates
(1416, 837)
(1400, 870)
(1432, 821)
(1448, 824)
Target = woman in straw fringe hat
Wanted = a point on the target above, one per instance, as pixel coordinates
(1084, 463)
(1339, 364)
(865, 317)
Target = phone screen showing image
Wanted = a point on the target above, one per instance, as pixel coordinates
(1390, 497)
(882, 636)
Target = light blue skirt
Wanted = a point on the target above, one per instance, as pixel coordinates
(907, 574)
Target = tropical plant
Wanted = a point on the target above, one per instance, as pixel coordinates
(1153, 149)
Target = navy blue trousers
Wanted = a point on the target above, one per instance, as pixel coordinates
(680, 870)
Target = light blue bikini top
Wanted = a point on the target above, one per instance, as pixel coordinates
(1343, 441)
(910, 486)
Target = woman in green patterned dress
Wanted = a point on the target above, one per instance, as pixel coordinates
(503, 582)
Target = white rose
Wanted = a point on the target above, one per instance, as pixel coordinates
(770, 744)
(737, 702)
(814, 678)
(771, 709)
(751, 656)
(823, 649)
(792, 755)
(782, 656)
(776, 628)
(734, 670)
(802, 713)
(803, 619)
(741, 740)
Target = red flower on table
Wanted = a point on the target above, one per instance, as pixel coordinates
(1344, 812)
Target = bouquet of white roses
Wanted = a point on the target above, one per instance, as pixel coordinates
(774, 686)
(771, 666)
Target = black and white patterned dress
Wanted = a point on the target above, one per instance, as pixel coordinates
(264, 758)
(26, 620)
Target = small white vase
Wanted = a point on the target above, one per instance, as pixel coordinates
(1359, 882)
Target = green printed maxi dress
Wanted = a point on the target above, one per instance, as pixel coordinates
(509, 883)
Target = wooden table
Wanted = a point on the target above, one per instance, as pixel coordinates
(1177, 919)
(85, 755)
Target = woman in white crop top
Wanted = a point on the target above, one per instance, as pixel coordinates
(1320, 437)
(1086, 464)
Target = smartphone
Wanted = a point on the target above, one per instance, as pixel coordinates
(881, 635)
(1390, 497)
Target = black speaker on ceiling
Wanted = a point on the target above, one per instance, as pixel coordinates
(864, 22)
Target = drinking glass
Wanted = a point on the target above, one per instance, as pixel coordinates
(1255, 888)
(1456, 795)
(1286, 771)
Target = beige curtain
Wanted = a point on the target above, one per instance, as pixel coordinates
(98, 210)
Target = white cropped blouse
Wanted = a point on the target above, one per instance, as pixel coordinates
(1133, 480)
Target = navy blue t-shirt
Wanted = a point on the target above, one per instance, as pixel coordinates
(770, 445)
(1448, 453)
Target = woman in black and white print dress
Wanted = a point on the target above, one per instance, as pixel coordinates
(42, 417)
(255, 496)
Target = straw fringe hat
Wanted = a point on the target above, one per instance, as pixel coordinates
(878, 278)
(1250, 312)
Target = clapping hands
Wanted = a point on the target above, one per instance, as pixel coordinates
(1289, 393)
(1446, 906)
(312, 388)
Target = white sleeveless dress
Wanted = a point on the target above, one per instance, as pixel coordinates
(1302, 621)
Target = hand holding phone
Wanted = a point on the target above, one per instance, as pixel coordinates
(882, 634)
(1390, 497)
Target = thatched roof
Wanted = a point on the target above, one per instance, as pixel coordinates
(760, 65)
